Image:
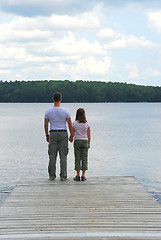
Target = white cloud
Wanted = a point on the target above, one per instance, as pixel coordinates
(41, 28)
(2, 71)
(117, 40)
(12, 35)
(69, 7)
(17, 2)
(83, 22)
(70, 45)
(156, 73)
(150, 72)
(92, 66)
(47, 7)
(86, 67)
(132, 71)
(109, 33)
(130, 41)
(154, 18)
(18, 57)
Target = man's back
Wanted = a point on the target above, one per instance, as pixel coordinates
(57, 117)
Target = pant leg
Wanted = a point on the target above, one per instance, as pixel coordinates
(63, 152)
(84, 154)
(77, 154)
(52, 151)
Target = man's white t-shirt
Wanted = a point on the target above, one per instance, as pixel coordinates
(57, 117)
(80, 130)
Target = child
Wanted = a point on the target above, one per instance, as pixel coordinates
(82, 139)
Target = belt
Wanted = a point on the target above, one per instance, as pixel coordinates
(62, 130)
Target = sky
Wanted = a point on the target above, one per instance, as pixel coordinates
(92, 40)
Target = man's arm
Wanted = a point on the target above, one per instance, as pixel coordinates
(71, 129)
(46, 123)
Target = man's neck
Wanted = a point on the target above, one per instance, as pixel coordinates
(56, 104)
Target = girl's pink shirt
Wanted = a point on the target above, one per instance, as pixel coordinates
(80, 130)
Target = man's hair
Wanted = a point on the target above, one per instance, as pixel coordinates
(57, 96)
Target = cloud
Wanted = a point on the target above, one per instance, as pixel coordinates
(47, 7)
(51, 37)
(64, 7)
(108, 33)
(152, 72)
(20, 28)
(118, 40)
(2, 72)
(156, 73)
(139, 76)
(132, 71)
(92, 66)
(154, 18)
(69, 45)
(85, 22)
(20, 35)
(87, 67)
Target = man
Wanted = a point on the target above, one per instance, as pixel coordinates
(57, 116)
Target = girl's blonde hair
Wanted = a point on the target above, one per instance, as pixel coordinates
(81, 116)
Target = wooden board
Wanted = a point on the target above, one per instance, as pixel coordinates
(99, 208)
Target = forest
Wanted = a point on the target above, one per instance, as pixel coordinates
(78, 91)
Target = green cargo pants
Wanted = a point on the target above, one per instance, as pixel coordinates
(81, 154)
(58, 142)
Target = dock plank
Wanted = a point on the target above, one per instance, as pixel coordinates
(99, 208)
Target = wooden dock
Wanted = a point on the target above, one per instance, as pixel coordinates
(99, 208)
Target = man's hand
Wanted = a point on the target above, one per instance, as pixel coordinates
(71, 129)
(71, 138)
(46, 122)
(47, 138)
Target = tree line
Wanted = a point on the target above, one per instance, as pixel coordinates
(78, 91)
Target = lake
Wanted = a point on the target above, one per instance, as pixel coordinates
(126, 140)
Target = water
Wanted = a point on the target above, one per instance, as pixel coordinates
(126, 139)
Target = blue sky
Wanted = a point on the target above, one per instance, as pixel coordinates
(118, 41)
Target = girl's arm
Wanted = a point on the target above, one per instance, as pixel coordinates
(89, 136)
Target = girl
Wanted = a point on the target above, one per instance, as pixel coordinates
(82, 139)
